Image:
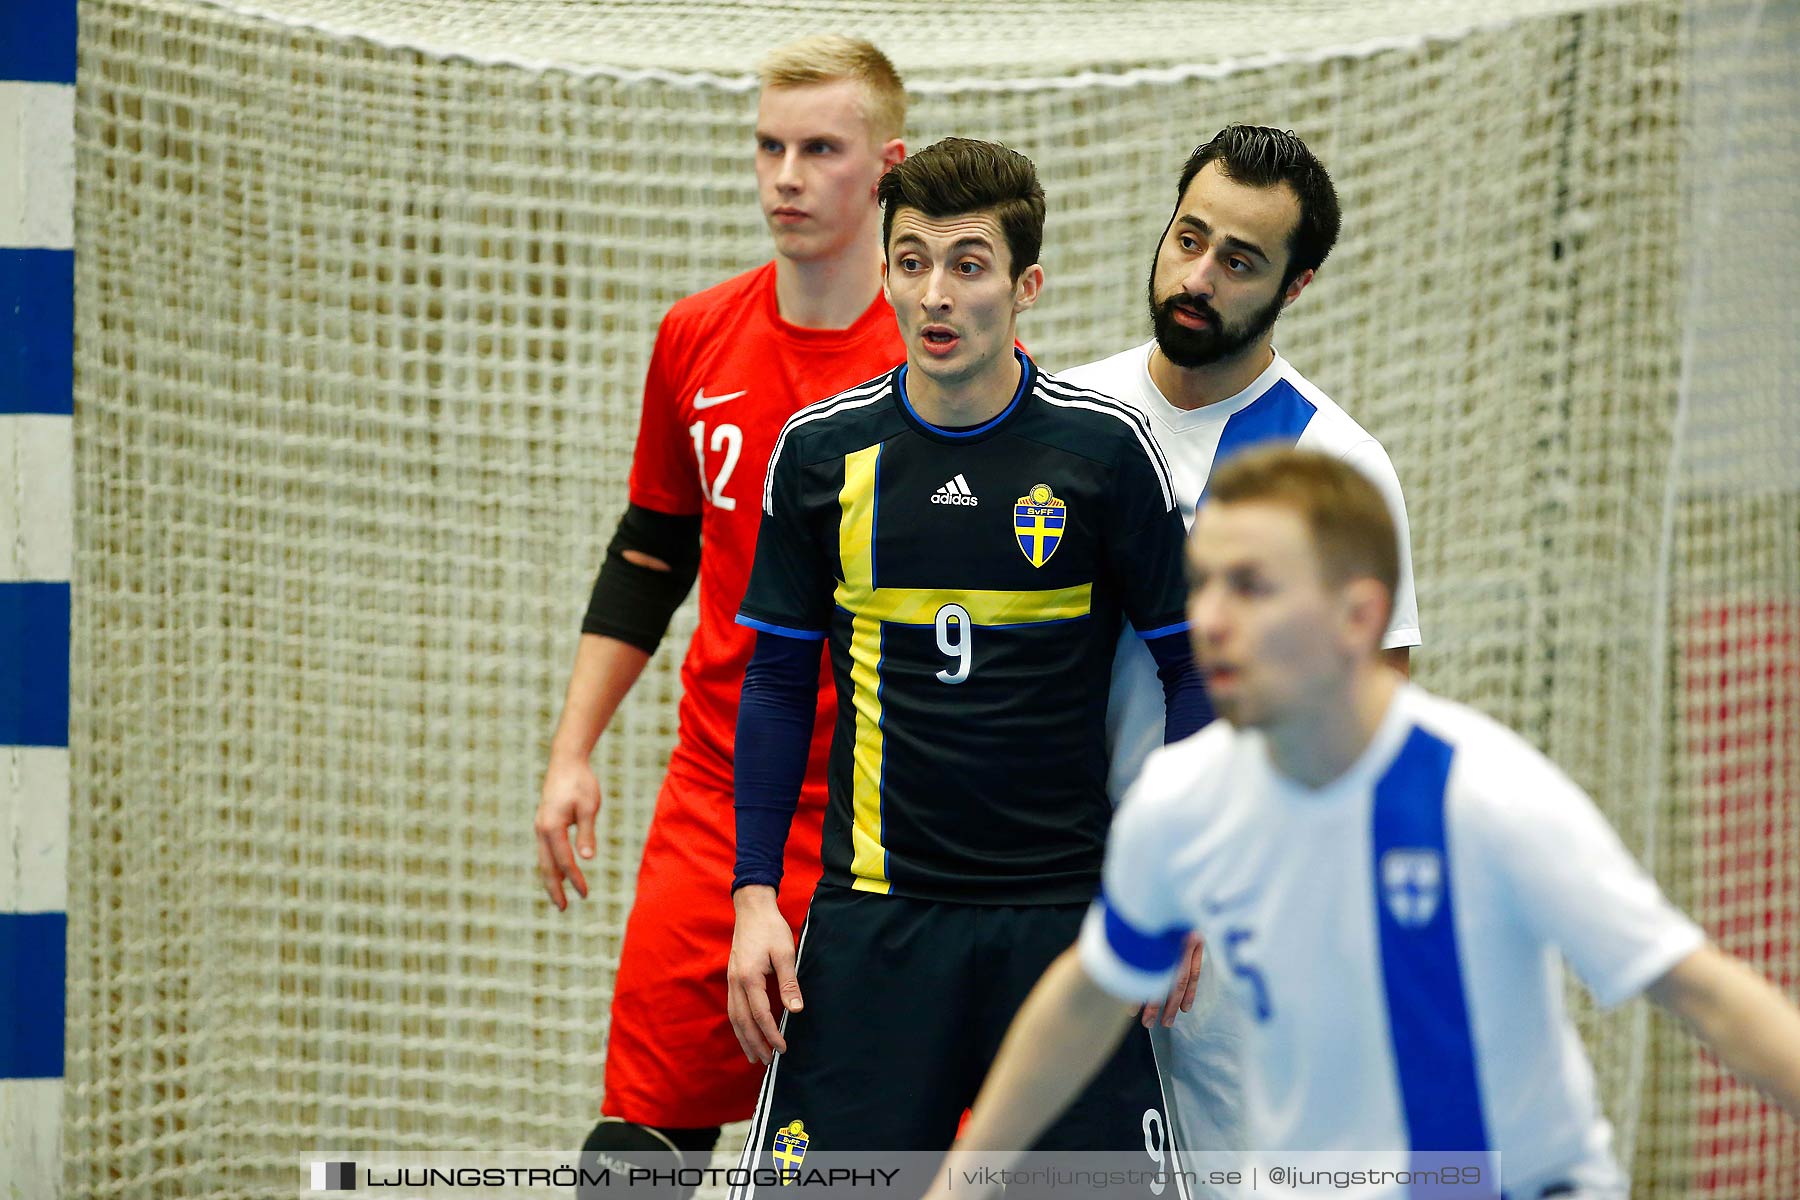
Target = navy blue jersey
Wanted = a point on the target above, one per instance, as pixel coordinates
(972, 585)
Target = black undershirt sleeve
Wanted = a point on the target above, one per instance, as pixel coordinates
(634, 603)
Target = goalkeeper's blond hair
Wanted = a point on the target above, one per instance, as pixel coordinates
(829, 57)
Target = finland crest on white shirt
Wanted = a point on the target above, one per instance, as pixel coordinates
(1394, 939)
(1279, 406)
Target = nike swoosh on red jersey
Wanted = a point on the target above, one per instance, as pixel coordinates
(702, 400)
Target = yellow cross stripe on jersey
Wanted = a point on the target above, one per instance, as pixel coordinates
(919, 606)
(869, 607)
(856, 550)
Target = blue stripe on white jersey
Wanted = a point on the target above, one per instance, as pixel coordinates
(1421, 967)
(1280, 414)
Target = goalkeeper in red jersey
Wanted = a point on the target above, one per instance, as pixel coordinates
(730, 366)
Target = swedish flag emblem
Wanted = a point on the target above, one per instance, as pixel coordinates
(790, 1151)
(1038, 518)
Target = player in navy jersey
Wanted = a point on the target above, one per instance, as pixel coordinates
(966, 534)
(1339, 821)
(1255, 217)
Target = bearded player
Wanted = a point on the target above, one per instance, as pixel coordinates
(1255, 216)
(730, 366)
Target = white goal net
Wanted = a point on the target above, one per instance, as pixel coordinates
(365, 292)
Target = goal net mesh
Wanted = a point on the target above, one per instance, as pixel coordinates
(365, 293)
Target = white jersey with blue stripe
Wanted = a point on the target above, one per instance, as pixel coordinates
(1395, 936)
(1279, 406)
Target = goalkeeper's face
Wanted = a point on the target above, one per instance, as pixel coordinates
(817, 164)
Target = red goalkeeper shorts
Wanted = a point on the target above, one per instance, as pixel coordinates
(671, 1058)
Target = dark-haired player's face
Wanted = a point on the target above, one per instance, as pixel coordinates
(1265, 623)
(817, 165)
(1215, 287)
(950, 282)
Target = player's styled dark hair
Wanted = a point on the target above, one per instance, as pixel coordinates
(1350, 524)
(1257, 156)
(961, 175)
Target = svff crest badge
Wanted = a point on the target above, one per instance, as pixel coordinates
(790, 1151)
(1038, 520)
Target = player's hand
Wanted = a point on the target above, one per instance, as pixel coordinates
(761, 944)
(571, 796)
(1181, 990)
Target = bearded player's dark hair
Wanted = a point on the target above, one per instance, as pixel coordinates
(1258, 156)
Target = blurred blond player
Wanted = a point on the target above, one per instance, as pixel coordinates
(1392, 879)
(730, 366)
(1255, 216)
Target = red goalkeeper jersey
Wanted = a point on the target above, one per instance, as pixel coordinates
(725, 374)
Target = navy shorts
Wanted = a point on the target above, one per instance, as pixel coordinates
(906, 1004)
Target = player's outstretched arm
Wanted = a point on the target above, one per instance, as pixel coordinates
(605, 669)
(1751, 1026)
(1062, 1035)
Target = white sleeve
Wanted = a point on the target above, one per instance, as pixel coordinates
(1577, 885)
(1133, 936)
(1368, 457)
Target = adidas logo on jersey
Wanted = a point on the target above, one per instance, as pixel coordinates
(955, 492)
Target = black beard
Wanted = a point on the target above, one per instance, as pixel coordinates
(1201, 347)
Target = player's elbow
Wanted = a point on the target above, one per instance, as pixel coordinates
(1713, 994)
